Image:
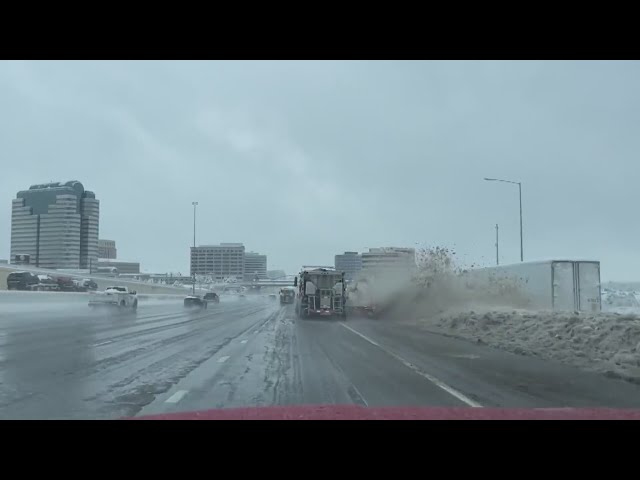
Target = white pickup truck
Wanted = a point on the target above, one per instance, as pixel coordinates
(119, 297)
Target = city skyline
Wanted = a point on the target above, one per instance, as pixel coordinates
(267, 141)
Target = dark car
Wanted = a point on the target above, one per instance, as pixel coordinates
(66, 284)
(22, 281)
(193, 301)
(212, 297)
(89, 285)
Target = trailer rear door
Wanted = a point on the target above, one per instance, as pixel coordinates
(588, 286)
(564, 292)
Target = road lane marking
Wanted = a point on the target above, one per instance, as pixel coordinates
(243, 341)
(439, 383)
(223, 359)
(465, 355)
(176, 397)
(102, 343)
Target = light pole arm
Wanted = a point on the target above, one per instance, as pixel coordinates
(520, 198)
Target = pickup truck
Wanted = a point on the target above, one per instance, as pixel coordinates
(115, 297)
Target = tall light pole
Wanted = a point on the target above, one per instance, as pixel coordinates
(195, 204)
(520, 194)
(497, 243)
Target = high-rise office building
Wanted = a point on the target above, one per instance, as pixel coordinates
(56, 224)
(350, 263)
(255, 265)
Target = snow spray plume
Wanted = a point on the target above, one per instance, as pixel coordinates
(440, 283)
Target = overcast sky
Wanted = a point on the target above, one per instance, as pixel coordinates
(303, 160)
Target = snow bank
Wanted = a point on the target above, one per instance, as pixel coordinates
(608, 343)
(620, 301)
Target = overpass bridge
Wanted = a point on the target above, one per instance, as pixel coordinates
(265, 283)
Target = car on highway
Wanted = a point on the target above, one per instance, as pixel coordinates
(87, 285)
(273, 296)
(46, 283)
(195, 301)
(67, 284)
(22, 281)
(212, 297)
(116, 297)
(287, 295)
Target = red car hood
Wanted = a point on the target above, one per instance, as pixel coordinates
(353, 412)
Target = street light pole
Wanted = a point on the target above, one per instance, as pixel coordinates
(520, 196)
(521, 247)
(497, 251)
(193, 289)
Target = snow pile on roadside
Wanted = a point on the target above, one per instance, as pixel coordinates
(608, 343)
(620, 301)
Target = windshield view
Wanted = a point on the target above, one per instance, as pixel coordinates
(319, 239)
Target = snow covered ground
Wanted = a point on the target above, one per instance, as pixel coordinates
(606, 342)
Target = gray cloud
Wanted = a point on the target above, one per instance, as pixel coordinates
(302, 160)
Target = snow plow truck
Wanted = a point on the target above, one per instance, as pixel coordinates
(321, 293)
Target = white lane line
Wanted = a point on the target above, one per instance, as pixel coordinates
(176, 397)
(223, 359)
(102, 343)
(439, 383)
(243, 341)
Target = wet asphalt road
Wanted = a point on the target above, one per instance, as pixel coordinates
(59, 360)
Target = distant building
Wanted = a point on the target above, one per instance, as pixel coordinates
(350, 263)
(222, 261)
(255, 265)
(389, 260)
(275, 274)
(120, 266)
(107, 249)
(56, 224)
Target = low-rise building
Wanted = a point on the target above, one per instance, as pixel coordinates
(120, 266)
(107, 249)
(275, 274)
(389, 260)
(222, 262)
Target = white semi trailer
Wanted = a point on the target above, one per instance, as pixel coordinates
(562, 285)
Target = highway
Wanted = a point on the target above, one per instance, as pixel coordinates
(58, 360)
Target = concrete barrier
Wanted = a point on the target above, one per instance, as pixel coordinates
(140, 287)
(17, 296)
